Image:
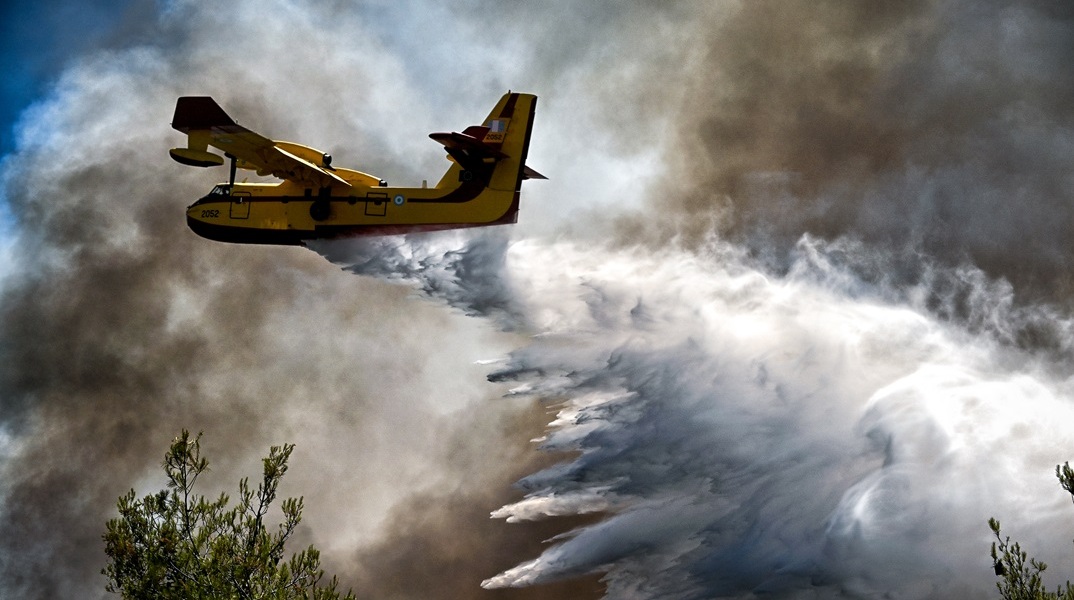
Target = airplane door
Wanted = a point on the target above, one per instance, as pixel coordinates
(376, 204)
(240, 205)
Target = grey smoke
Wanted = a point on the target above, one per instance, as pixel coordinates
(746, 433)
(939, 126)
(808, 359)
(120, 327)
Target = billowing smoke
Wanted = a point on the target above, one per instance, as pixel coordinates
(940, 126)
(809, 360)
(745, 433)
(120, 327)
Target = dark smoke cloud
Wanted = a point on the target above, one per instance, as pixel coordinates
(120, 327)
(435, 541)
(835, 419)
(943, 127)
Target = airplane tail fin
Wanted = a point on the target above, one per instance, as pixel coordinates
(494, 152)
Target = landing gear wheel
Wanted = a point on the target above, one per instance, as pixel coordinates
(320, 209)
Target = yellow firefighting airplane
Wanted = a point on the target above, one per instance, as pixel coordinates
(316, 200)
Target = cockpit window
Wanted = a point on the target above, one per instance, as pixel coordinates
(221, 190)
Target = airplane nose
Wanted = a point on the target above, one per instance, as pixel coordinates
(198, 219)
(203, 228)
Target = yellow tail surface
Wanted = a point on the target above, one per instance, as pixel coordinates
(505, 138)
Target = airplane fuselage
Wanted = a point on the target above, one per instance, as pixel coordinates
(279, 214)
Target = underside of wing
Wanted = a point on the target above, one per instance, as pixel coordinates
(206, 124)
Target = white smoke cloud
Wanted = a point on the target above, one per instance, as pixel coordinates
(121, 327)
(834, 427)
(751, 432)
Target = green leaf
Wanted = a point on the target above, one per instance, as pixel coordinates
(177, 544)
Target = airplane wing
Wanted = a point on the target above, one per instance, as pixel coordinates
(206, 124)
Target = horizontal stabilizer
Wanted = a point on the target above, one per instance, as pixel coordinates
(476, 131)
(528, 173)
(469, 146)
